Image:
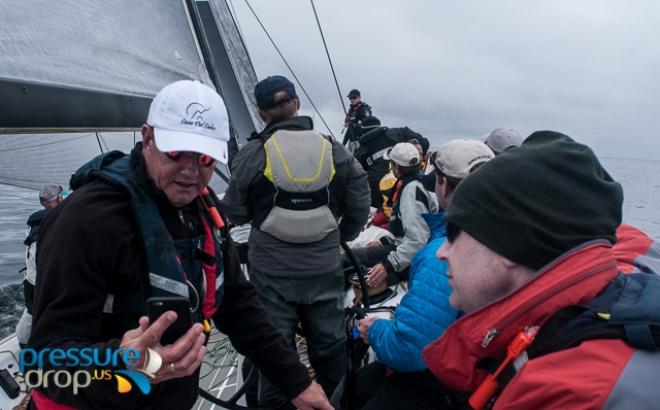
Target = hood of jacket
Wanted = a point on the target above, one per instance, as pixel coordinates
(373, 134)
(436, 223)
(300, 122)
(38, 217)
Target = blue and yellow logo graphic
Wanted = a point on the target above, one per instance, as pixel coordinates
(138, 378)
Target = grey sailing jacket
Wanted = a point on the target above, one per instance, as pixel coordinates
(278, 258)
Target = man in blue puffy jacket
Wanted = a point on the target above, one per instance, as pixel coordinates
(424, 312)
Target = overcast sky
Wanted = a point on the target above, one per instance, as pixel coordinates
(452, 69)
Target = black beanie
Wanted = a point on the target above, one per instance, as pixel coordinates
(538, 201)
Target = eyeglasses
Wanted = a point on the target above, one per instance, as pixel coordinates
(282, 101)
(183, 157)
(355, 97)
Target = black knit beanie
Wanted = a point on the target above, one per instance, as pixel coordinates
(536, 202)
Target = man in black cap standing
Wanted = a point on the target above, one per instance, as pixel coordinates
(294, 198)
(353, 121)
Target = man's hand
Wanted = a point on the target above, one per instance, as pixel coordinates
(180, 359)
(312, 398)
(364, 325)
(377, 274)
(373, 244)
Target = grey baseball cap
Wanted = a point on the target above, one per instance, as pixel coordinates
(502, 139)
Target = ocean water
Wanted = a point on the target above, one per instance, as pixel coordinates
(640, 180)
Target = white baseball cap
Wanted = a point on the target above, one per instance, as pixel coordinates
(190, 116)
(457, 157)
(404, 154)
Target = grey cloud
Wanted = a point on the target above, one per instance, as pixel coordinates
(452, 69)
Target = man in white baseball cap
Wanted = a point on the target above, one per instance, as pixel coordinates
(457, 158)
(145, 225)
(190, 116)
(409, 201)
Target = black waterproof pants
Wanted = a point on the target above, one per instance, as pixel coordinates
(378, 390)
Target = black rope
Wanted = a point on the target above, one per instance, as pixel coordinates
(290, 69)
(98, 139)
(360, 273)
(327, 53)
(221, 174)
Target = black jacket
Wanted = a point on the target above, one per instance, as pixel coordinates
(380, 138)
(90, 247)
(356, 113)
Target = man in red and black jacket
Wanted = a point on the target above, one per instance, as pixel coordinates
(533, 232)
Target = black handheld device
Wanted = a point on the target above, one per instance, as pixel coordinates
(8, 384)
(156, 306)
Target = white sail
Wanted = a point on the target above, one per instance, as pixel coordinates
(93, 67)
(120, 46)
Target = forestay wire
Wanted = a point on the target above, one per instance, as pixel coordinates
(327, 53)
(290, 69)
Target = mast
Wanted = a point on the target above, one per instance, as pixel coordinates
(227, 62)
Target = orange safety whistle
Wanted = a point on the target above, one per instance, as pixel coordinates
(211, 209)
(489, 386)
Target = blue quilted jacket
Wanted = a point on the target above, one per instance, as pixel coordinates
(424, 312)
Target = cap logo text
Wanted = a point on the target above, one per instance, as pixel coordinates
(195, 116)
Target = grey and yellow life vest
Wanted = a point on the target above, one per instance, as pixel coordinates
(299, 169)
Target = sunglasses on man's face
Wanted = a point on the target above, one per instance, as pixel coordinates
(183, 157)
(352, 98)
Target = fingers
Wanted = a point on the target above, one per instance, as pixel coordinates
(174, 352)
(364, 333)
(155, 331)
(312, 398)
(364, 325)
(189, 359)
(144, 323)
(185, 366)
(376, 275)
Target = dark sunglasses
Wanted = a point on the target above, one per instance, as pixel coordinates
(353, 97)
(183, 157)
(282, 101)
(452, 232)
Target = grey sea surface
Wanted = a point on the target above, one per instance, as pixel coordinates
(640, 180)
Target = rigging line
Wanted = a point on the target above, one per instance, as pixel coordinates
(327, 53)
(289, 67)
(98, 139)
(232, 12)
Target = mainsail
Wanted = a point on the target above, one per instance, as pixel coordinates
(74, 73)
